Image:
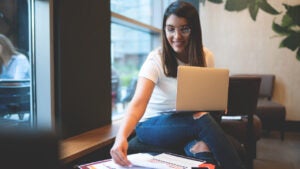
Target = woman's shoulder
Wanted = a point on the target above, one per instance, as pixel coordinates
(19, 56)
(209, 57)
(207, 51)
(155, 54)
(157, 51)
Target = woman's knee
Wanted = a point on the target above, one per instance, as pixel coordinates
(197, 115)
(195, 147)
(200, 146)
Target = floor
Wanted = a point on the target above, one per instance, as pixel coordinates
(272, 153)
(13, 120)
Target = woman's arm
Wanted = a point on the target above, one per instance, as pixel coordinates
(134, 113)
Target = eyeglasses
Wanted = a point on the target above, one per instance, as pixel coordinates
(183, 30)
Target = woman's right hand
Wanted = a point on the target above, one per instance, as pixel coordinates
(119, 152)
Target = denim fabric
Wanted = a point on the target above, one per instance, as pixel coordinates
(173, 130)
(206, 156)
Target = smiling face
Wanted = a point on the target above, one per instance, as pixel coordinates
(177, 33)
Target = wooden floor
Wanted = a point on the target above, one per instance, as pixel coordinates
(272, 153)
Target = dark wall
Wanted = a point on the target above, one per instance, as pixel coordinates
(81, 65)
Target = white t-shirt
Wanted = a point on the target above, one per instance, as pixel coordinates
(164, 94)
(18, 67)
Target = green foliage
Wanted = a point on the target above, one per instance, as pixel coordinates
(215, 1)
(290, 28)
(236, 5)
(252, 5)
(126, 72)
(293, 12)
(298, 54)
(265, 6)
(253, 9)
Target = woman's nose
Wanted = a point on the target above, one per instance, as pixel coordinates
(177, 34)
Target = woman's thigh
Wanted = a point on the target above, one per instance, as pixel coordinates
(168, 130)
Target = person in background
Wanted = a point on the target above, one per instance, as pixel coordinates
(13, 65)
(197, 133)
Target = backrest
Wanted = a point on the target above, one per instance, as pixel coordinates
(243, 95)
(15, 96)
(266, 86)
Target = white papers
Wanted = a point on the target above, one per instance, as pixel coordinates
(147, 161)
(178, 160)
(139, 161)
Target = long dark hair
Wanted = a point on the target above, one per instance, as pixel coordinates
(7, 49)
(195, 47)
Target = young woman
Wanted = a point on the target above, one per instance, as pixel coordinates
(13, 65)
(197, 133)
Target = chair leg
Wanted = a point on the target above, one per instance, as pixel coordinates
(21, 116)
(254, 150)
(250, 164)
(282, 134)
(251, 154)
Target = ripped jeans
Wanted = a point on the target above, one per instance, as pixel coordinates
(174, 130)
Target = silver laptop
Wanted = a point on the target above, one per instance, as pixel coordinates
(201, 89)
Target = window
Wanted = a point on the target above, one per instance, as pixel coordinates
(135, 31)
(15, 76)
(27, 24)
(44, 30)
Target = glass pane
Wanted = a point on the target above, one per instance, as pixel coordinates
(15, 67)
(127, 56)
(136, 9)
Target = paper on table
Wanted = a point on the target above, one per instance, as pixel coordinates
(139, 161)
(177, 161)
(147, 161)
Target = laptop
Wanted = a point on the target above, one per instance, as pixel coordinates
(201, 89)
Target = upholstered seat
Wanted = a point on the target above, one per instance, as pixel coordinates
(271, 113)
(14, 98)
(237, 128)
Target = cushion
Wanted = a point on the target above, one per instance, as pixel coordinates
(237, 128)
(272, 114)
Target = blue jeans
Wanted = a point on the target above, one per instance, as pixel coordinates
(173, 130)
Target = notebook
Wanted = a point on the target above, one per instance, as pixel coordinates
(201, 89)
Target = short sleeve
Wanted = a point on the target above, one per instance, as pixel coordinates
(22, 68)
(151, 68)
(209, 58)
